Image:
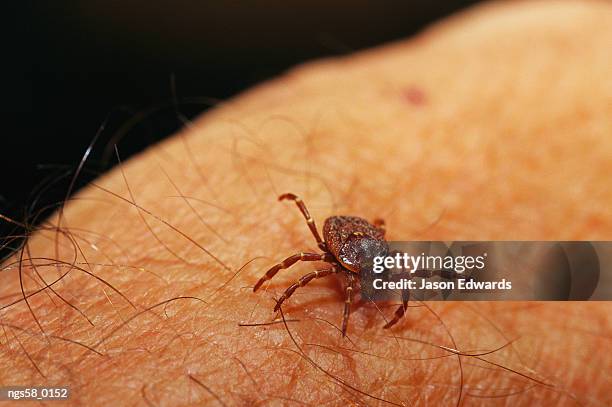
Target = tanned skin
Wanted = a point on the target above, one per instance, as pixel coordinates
(493, 125)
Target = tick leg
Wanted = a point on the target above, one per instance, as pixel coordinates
(305, 279)
(347, 303)
(290, 261)
(309, 220)
(400, 311)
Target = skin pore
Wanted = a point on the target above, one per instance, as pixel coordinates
(463, 133)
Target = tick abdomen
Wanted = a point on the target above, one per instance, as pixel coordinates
(341, 231)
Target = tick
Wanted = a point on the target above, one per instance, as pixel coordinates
(348, 243)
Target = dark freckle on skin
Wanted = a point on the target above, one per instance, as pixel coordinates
(415, 96)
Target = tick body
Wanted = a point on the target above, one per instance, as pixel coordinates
(348, 243)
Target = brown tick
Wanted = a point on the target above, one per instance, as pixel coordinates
(349, 242)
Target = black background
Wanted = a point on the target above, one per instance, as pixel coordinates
(74, 63)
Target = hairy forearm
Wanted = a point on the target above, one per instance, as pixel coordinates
(144, 291)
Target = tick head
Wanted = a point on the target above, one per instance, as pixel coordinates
(359, 250)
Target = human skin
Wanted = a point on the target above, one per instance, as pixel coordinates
(493, 125)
